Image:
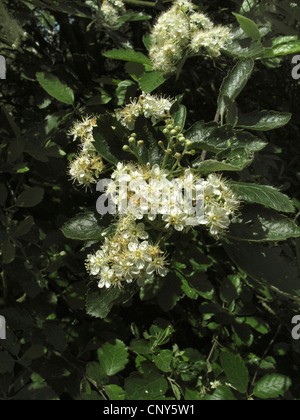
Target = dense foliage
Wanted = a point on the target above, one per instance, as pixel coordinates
(217, 325)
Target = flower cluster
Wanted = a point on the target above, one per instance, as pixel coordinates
(181, 202)
(88, 164)
(151, 106)
(126, 257)
(111, 11)
(181, 32)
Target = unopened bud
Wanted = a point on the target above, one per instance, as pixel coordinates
(188, 143)
(181, 138)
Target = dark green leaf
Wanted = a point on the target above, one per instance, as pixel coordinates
(262, 225)
(127, 54)
(8, 252)
(163, 360)
(113, 358)
(249, 27)
(31, 197)
(262, 194)
(264, 120)
(235, 370)
(235, 82)
(149, 81)
(222, 393)
(114, 392)
(54, 87)
(272, 386)
(150, 386)
(24, 227)
(83, 227)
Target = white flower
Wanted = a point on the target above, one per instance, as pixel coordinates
(111, 11)
(134, 231)
(157, 265)
(105, 277)
(138, 252)
(218, 220)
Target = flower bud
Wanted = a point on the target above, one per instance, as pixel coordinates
(188, 143)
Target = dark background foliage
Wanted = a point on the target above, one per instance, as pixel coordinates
(52, 346)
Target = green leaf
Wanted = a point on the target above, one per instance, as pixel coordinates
(127, 54)
(263, 120)
(235, 370)
(149, 81)
(8, 252)
(288, 46)
(212, 165)
(264, 195)
(31, 197)
(238, 50)
(262, 225)
(150, 386)
(140, 346)
(249, 27)
(210, 137)
(24, 227)
(163, 360)
(179, 113)
(248, 142)
(272, 386)
(54, 87)
(114, 392)
(222, 393)
(257, 324)
(84, 227)
(113, 358)
(234, 82)
(100, 301)
(122, 90)
(96, 373)
(109, 138)
(102, 146)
